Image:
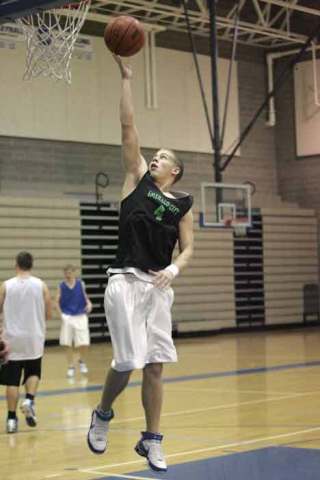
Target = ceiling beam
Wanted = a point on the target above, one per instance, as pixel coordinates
(201, 6)
(291, 6)
(257, 7)
(172, 17)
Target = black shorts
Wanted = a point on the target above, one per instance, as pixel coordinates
(11, 372)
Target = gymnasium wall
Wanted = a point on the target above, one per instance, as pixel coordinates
(41, 168)
(87, 110)
(307, 111)
(31, 166)
(298, 176)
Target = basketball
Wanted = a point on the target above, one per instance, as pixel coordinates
(124, 36)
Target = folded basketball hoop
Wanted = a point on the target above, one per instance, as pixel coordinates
(51, 36)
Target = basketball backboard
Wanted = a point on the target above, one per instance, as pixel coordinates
(225, 204)
(12, 9)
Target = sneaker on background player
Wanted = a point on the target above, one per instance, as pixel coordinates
(12, 425)
(71, 372)
(27, 408)
(83, 367)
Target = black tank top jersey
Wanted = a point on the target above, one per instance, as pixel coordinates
(149, 226)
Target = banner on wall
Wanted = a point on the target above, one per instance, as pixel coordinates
(11, 34)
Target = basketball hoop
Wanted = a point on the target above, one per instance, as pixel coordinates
(240, 230)
(238, 225)
(51, 36)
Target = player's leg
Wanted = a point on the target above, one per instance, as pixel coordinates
(152, 395)
(115, 383)
(32, 376)
(160, 349)
(10, 376)
(82, 354)
(82, 341)
(12, 394)
(66, 340)
(128, 335)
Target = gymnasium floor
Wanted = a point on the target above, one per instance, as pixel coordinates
(236, 407)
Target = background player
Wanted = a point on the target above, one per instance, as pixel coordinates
(73, 304)
(26, 305)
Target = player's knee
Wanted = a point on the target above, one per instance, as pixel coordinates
(153, 370)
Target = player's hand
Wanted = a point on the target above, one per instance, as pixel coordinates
(162, 278)
(4, 350)
(125, 70)
(88, 307)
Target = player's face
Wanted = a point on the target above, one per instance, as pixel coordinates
(69, 275)
(162, 167)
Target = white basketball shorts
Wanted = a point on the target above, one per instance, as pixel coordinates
(74, 330)
(139, 320)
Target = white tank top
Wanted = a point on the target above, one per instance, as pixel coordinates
(24, 317)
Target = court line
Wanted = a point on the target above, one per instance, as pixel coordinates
(212, 449)
(117, 475)
(215, 407)
(228, 390)
(187, 378)
(205, 409)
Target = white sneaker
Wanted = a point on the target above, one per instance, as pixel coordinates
(70, 372)
(83, 367)
(150, 447)
(97, 435)
(27, 408)
(12, 425)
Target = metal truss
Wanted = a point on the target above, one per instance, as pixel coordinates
(268, 25)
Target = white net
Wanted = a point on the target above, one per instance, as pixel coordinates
(51, 36)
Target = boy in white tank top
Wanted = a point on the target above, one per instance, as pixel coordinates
(26, 305)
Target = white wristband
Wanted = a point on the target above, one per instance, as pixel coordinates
(173, 269)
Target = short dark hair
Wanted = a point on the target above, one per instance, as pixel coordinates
(179, 163)
(68, 267)
(24, 261)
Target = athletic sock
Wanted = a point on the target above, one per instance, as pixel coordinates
(105, 415)
(30, 397)
(12, 415)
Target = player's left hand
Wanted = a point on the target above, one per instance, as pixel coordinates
(162, 278)
(88, 307)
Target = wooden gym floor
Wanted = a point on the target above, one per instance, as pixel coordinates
(236, 407)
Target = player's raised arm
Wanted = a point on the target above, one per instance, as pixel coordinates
(134, 163)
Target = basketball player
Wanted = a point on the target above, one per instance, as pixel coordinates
(139, 295)
(73, 304)
(25, 301)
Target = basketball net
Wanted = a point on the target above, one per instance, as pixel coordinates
(239, 229)
(51, 36)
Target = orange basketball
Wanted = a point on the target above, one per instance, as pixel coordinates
(124, 36)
